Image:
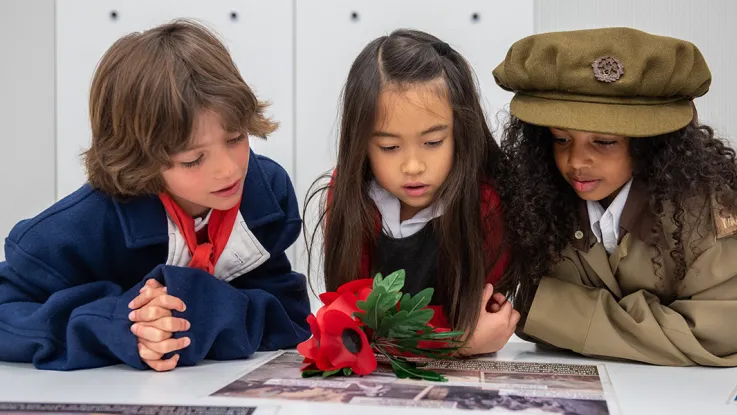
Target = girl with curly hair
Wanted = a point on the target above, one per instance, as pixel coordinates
(623, 207)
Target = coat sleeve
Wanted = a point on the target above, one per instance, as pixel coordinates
(698, 330)
(47, 321)
(269, 312)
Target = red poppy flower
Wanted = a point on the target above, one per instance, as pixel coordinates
(310, 348)
(345, 299)
(346, 303)
(343, 344)
(360, 288)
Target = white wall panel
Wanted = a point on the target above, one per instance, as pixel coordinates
(26, 110)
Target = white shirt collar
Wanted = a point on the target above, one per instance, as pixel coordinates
(389, 208)
(242, 253)
(200, 222)
(605, 223)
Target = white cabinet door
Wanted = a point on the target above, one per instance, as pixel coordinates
(27, 155)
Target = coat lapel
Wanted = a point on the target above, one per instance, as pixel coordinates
(143, 218)
(598, 260)
(593, 253)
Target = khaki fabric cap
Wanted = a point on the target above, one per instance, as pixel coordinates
(618, 81)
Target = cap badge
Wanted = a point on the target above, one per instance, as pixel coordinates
(608, 69)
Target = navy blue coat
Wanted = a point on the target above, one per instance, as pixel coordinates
(71, 271)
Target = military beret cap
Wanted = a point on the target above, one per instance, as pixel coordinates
(618, 81)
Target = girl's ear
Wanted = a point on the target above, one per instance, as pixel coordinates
(695, 118)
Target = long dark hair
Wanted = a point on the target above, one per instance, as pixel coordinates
(407, 58)
(676, 168)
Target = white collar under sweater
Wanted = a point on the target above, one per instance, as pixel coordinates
(243, 252)
(389, 208)
(605, 223)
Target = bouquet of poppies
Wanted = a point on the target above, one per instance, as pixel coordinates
(370, 317)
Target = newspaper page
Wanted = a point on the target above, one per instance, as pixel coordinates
(31, 408)
(473, 384)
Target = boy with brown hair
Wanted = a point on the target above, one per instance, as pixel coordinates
(175, 249)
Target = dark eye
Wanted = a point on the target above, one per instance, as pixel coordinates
(194, 163)
(237, 139)
(560, 140)
(388, 149)
(605, 142)
(436, 143)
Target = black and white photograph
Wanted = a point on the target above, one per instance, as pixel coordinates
(533, 387)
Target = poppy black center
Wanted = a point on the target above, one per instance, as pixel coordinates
(351, 340)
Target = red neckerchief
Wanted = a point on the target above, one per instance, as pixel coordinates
(219, 228)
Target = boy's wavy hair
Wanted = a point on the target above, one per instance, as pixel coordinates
(146, 91)
(675, 168)
(407, 59)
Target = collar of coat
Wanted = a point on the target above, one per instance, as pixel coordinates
(144, 222)
(636, 219)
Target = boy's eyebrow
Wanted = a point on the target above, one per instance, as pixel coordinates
(193, 147)
(188, 149)
(433, 129)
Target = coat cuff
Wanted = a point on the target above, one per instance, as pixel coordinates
(561, 313)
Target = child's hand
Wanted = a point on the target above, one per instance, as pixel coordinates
(494, 328)
(154, 326)
(148, 292)
(496, 303)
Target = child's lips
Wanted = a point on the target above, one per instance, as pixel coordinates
(584, 184)
(229, 190)
(415, 189)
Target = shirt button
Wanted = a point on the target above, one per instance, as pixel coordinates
(578, 235)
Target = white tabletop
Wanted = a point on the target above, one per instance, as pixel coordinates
(639, 389)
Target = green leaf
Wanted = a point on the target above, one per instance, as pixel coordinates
(434, 335)
(419, 301)
(347, 371)
(434, 353)
(389, 302)
(376, 306)
(407, 344)
(406, 324)
(384, 300)
(403, 324)
(331, 373)
(377, 280)
(311, 373)
(369, 316)
(394, 282)
(386, 323)
(410, 345)
(404, 343)
(405, 369)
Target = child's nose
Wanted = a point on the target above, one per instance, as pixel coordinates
(579, 157)
(225, 168)
(413, 166)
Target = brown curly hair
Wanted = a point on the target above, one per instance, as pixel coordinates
(145, 94)
(540, 205)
